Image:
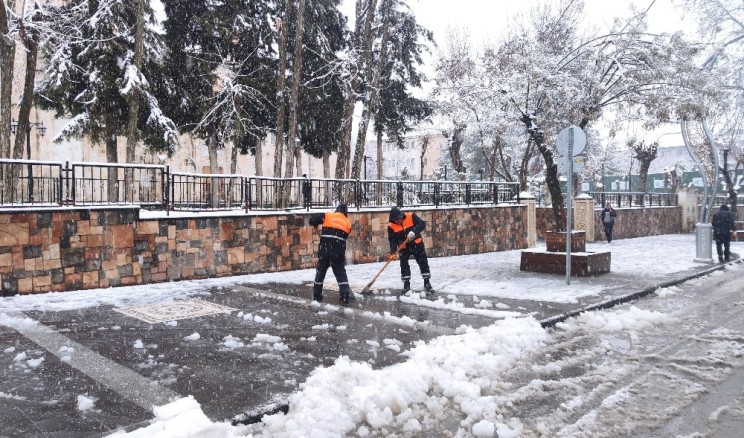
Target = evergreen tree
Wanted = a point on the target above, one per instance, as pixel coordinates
(219, 67)
(89, 71)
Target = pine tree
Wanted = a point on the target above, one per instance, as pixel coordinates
(88, 73)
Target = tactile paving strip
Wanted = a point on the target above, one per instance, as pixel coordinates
(172, 311)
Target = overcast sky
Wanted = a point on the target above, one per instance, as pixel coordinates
(486, 19)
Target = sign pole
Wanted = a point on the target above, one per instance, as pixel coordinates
(569, 204)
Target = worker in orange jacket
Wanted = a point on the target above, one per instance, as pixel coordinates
(404, 232)
(335, 229)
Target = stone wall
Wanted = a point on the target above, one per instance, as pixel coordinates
(631, 222)
(70, 249)
(638, 222)
(546, 221)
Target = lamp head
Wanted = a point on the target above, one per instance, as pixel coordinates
(13, 126)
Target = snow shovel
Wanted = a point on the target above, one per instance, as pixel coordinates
(366, 290)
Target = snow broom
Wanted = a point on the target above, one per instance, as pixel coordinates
(366, 290)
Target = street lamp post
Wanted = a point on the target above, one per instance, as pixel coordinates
(480, 171)
(365, 166)
(42, 130)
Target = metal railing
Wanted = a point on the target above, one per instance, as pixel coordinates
(197, 192)
(30, 183)
(634, 199)
(116, 184)
(267, 193)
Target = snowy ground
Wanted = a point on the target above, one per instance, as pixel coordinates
(511, 378)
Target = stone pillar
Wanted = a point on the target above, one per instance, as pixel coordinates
(687, 199)
(584, 215)
(529, 200)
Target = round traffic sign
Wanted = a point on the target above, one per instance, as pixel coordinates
(579, 140)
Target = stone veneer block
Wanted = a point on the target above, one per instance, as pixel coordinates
(556, 241)
(583, 264)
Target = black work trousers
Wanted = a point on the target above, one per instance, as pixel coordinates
(723, 247)
(418, 251)
(339, 270)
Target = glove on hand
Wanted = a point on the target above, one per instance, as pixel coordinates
(411, 235)
(394, 256)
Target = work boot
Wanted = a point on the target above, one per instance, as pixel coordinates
(345, 293)
(318, 297)
(427, 286)
(318, 292)
(406, 286)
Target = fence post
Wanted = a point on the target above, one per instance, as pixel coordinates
(170, 188)
(74, 184)
(358, 194)
(529, 200)
(246, 193)
(399, 194)
(584, 215)
(66, 173)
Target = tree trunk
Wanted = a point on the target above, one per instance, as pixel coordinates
(524, 166)
(424, 146)
(344, 150)
(362, 27)
(112, 156)
(326, 163)
(551, 171)
(30, 38)
(454, 149)
(7, 60)
(281, 107)
(213, 169)
(293, 150)
(730, 188)
(374, 78)
(259, 157)
(134, 99)
(642, 175)
(234, 156)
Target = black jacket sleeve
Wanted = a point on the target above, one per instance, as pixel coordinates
(317, 219)
(418, 225)
(392, 240)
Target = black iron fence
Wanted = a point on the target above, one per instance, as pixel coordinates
(634, 199)
(32, 183)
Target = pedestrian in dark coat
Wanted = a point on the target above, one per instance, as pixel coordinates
(306, 192)
(723, 226)
(408, 226)
(335, 229)
(608, 220)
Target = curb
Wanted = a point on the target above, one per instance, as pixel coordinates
(553, 320)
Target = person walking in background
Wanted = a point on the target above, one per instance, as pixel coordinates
(404, 232)
(608, 220)
(335, 229)
(723, 227)
(306, 192)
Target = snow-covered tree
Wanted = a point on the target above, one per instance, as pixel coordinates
(321, 97)
(721, 26)
(386, 41)
(89, 74)
(553, 74)
(218, 69)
